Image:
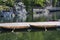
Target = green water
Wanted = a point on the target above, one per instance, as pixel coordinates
(49, 35)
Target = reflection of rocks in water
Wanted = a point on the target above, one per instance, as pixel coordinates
(6, 16)
(20, 12)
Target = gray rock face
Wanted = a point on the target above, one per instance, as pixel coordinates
(20, 12)
(6, 16)
(17, 15)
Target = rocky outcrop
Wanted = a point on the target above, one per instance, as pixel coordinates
(20, 12)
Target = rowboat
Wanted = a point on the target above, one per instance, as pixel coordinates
(22, 25)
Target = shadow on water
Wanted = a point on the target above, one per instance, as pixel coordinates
(31, 29)
(35, 28)
(3, 30)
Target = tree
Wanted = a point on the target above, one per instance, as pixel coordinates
(7, 2)
(10, 2)
(29, 7)
(54, 2)
(40, 2)
(30, 4)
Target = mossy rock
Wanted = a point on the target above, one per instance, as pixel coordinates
(3, 7)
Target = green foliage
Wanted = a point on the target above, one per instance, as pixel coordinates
(1, 2)
(7, 2)
(29, 2)
(55, 2)
(10, 2)
(40, 2)
(3, 7)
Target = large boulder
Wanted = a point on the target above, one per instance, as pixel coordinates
(6, 16)
(20, 12)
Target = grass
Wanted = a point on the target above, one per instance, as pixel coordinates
(49, 35)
